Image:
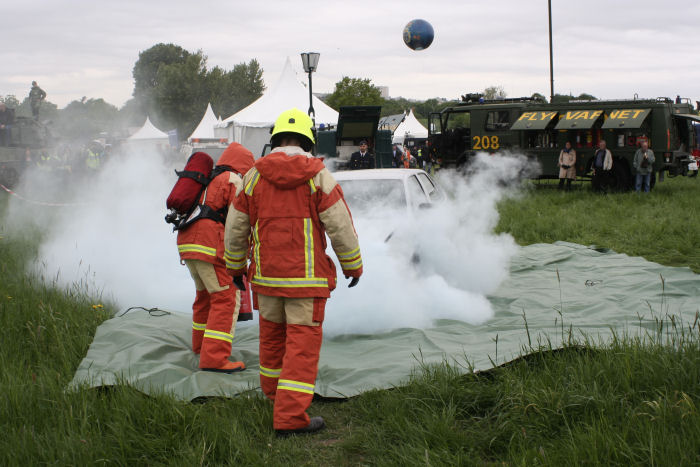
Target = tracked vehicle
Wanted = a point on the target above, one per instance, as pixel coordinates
(28, 138)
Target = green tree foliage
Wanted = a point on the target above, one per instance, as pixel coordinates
(564, 98)
(10, 101)
(173, 87)
(230, 91)
(180, 97)
(85, 119)
(539, 97)
(421, 109)
(354, 91)
(130, 115)
(146, 68)
(47, 112)
(495, 92)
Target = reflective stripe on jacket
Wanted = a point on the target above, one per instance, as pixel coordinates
(282, 214)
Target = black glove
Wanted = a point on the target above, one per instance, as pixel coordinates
(353, 282)
(238, 280)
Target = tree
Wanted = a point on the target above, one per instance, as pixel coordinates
(354, 91)
(539, 97)
(146, 68)
(494, 92)
(47, 112)
(564, 98)
(233, 90)
(181, 95)
(85, 119)
(10, 101)
(173, 87)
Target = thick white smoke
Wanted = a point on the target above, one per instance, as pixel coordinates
(116, 242)
(113, 240)
(459, 258)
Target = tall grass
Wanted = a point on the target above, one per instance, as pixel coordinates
(661, 226)
(631, 401)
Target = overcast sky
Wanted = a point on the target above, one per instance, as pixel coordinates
(608, 48)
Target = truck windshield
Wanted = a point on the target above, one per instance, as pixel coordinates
(458, 120)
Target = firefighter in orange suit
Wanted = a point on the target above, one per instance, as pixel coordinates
(289, 202)
(201, 247)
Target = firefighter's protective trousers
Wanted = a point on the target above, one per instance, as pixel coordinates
(290, 343)
(214, 312)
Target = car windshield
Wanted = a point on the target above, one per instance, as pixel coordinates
(370, 194)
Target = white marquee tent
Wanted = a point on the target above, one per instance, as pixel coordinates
(205, 129)
(148, 132)
(148, 137)
(251, 125)
(409, 128)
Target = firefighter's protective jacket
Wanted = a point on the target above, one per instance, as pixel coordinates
(204, 239)
(288, 203)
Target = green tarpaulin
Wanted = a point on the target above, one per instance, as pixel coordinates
(600, 292)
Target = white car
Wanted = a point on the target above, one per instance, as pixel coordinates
(369, 190)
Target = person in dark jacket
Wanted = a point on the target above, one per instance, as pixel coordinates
(602, 165)
(396, 157)
(36, 96)
(362, 159)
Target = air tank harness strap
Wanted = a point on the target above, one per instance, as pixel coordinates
(198, 177)
(209, 213)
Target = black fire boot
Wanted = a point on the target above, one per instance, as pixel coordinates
(316, 424)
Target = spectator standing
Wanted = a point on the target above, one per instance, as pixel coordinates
(567, 166)
(643, 165)
(602, 165)
(396, 156)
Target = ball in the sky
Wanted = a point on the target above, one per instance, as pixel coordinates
(418, 34)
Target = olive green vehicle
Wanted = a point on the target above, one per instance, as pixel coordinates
(540, 130)
(28, 138)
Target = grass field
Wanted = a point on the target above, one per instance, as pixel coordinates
(661, 226)
(625, 402)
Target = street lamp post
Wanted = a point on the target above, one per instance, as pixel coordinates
(551, 56)
(310, 62)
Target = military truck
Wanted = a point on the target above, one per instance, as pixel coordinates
(355, 123)
(28, 138)
(540, 130)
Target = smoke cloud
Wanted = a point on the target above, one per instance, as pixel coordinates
(110, 237)
(114, 243)
(439, 264)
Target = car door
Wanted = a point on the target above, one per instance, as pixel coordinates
(415, 193)
(433, 192)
